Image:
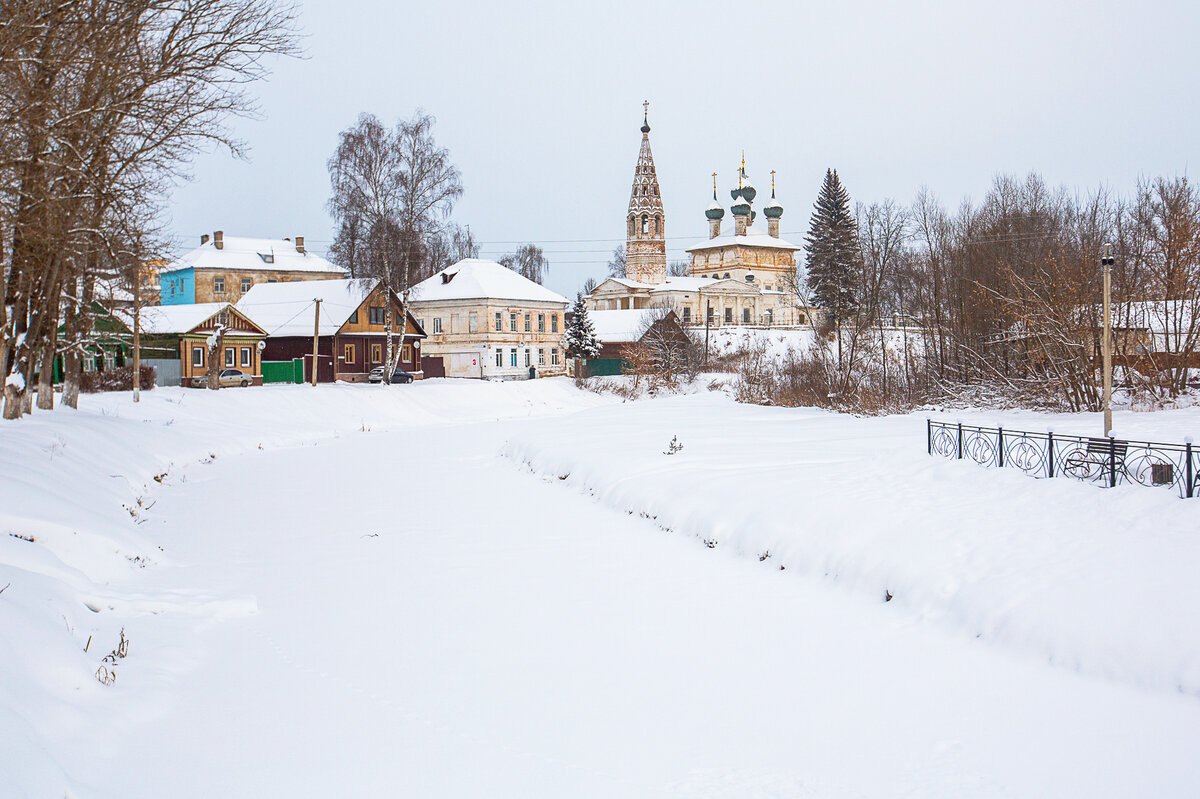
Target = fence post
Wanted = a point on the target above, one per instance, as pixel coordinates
(960, 441)
(1188, 470)
(1050, 448)
(1000, 445)
(1112, 462)
(929, 434)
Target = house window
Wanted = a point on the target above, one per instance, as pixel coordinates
(527, 354)
(437, 324)
(353, 317)
(528, 324)
(197, 356)
(473, 322)
(218, 285)
(375, 315)
(500, 357)
(541, 357)
(272, 280)
(553, 323)
(499, 321)
(512, 323)
(728, 315)
(246, 284)
(406, 353)
(376, 353)
(554, 356)
(745, 316)
(512, 358)
(541, 323)
(246, 362)
(229, 357)
(803, 318)
(687, 314)
(348, 353)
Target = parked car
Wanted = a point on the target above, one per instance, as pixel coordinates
(234, 377)
(398, 376)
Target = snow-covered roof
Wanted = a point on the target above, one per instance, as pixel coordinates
(279, 255)
(476, 278)
(287, 309)
(169, 319)
(755, 237)
(685, 284)
(616, 327)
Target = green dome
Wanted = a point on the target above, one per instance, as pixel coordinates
(773, 211)
(741, 208)
(714, 212)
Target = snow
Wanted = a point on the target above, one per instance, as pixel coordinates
(616, 327)
(169, 319)
(475, 278)
(287, 309)
(465, 588)
(754, 237)
(16, 380)
(246, 253)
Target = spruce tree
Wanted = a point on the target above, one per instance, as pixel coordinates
(831, 250)
(579, 339)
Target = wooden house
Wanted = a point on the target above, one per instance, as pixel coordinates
(348, 318)
(186, 329)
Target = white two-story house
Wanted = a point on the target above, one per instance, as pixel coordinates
(486, 321)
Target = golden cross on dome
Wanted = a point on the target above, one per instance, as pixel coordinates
(772, 182)
(714, 184)
(645, 107)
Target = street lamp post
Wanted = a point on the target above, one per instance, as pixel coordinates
(1106, 263)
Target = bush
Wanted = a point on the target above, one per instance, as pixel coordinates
(119, 378)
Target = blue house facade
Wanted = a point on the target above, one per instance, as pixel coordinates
(178, 287)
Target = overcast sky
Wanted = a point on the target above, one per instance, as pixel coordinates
(540, 105)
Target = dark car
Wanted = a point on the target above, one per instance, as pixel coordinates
(398, 376)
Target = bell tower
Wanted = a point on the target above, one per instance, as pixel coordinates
(646, 238)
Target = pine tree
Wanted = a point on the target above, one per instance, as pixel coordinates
(579, 339)
(831, 249)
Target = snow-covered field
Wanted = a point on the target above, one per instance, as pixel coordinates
(466, 589)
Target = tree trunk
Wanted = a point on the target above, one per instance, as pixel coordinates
(45, 390)
(213, 376)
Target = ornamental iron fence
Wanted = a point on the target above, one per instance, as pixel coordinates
(1103, 461)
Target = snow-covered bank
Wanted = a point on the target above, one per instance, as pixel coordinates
(78, 521)
(1100, 581)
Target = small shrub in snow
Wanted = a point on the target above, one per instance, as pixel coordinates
(119, 378)
(673, 447)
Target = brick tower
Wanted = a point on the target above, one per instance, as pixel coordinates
(646, 240)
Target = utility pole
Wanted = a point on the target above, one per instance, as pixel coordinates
(1106, 263)
(316, 339)
(137, 331)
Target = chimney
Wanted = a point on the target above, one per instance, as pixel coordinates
(219, 239)
(203, 239)
(299, 244)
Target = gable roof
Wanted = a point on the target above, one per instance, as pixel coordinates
(476, 278)
(178, 319)
(616, 327)
(288, 309)
(247, 253)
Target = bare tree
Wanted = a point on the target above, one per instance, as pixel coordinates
(394, 188)
(616, 264)
(678, 268)
(529, 262)
(104, 102)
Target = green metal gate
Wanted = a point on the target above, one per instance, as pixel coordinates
(603, 367)
(283, 371)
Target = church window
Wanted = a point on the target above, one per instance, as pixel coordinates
(687, 315)
(803, 318)
(728, 316)
(745, 316)
(658, 225)
(726, 275)
(645, 223)
(631, 226)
